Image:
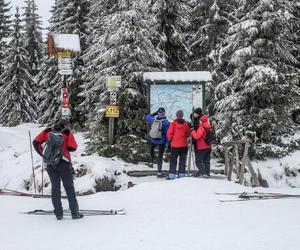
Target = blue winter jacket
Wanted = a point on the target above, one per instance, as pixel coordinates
(165, 126)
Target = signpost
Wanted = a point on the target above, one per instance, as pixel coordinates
(65, 47)
(112, 110)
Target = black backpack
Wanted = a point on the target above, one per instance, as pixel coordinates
(52, 152)
(210, 137)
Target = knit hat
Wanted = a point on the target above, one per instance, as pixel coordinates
(198, 111)
(179, 113)
(161, 110)
(204, 118)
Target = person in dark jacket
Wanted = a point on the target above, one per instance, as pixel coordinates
(203, 149)
(195, 118)
(178, 135)
(158, 142)
(62, 171)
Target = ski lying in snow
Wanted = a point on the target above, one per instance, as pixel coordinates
(85, 212)
(248, 193)
(257, 196)
(18, 193)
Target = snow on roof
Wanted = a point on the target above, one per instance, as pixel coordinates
(183, 76)
(67, 42)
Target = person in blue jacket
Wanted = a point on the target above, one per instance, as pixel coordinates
(160, 142)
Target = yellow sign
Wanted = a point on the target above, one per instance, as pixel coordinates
(63, 54)
(113, 81)
(112, 111)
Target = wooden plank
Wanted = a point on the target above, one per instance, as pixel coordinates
(226, 160)
(143, 173)
(254, 176)
(244, 160)
(231, 143)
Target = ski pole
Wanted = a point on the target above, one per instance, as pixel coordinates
(33, 174)
(42, 178)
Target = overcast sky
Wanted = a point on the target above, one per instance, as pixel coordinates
(44, 7)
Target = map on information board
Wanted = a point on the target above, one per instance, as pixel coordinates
(172, 98)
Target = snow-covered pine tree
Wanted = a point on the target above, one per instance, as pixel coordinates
(210, 21)
(33, 35)
(92, 56)
(169, 22)
(17, 103)
(68, 17)
(125, 50)
(4, 30)
(263, 88)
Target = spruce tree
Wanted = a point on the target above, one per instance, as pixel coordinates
(258, 98)
(4, 30)
(170, 21)
(125, 49)
(17, 104)
(33, 35)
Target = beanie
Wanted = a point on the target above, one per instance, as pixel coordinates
(198, 111)
(161, 110)
(179, 113)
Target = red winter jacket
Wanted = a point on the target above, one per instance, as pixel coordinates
(178, 133)
(200, 134)
(69, 143)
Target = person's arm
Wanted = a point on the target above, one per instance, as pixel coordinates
(71, 143)
(198, 134)
(39, 140)
(187, 130)
(170, 132)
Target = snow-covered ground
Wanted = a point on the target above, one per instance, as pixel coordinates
(184, 214)
(168, 215)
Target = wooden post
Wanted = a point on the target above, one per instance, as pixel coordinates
(244, 163)
(226, 160)
(254, 176)
(231, 159)
(237, 160)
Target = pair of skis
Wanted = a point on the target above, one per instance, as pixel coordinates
(85, 212)
(245, 196)
(18, 193)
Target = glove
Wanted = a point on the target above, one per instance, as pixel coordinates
(168, 149)
(155, 113)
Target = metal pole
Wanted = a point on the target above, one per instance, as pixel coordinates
(42, 178)
(111, 131)
(33, 174)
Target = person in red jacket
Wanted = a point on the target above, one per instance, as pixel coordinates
(62, 170)
(178, 134)
(203, 149)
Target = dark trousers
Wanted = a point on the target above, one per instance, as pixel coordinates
(161, 149)
(175, 153)
(203, 161)
(62, 171)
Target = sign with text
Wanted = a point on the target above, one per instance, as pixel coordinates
(112, 111)
(113, 82)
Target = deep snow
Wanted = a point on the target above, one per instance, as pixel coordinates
(168, 215)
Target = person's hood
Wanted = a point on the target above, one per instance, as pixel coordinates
(179, 123)
(204, 122)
